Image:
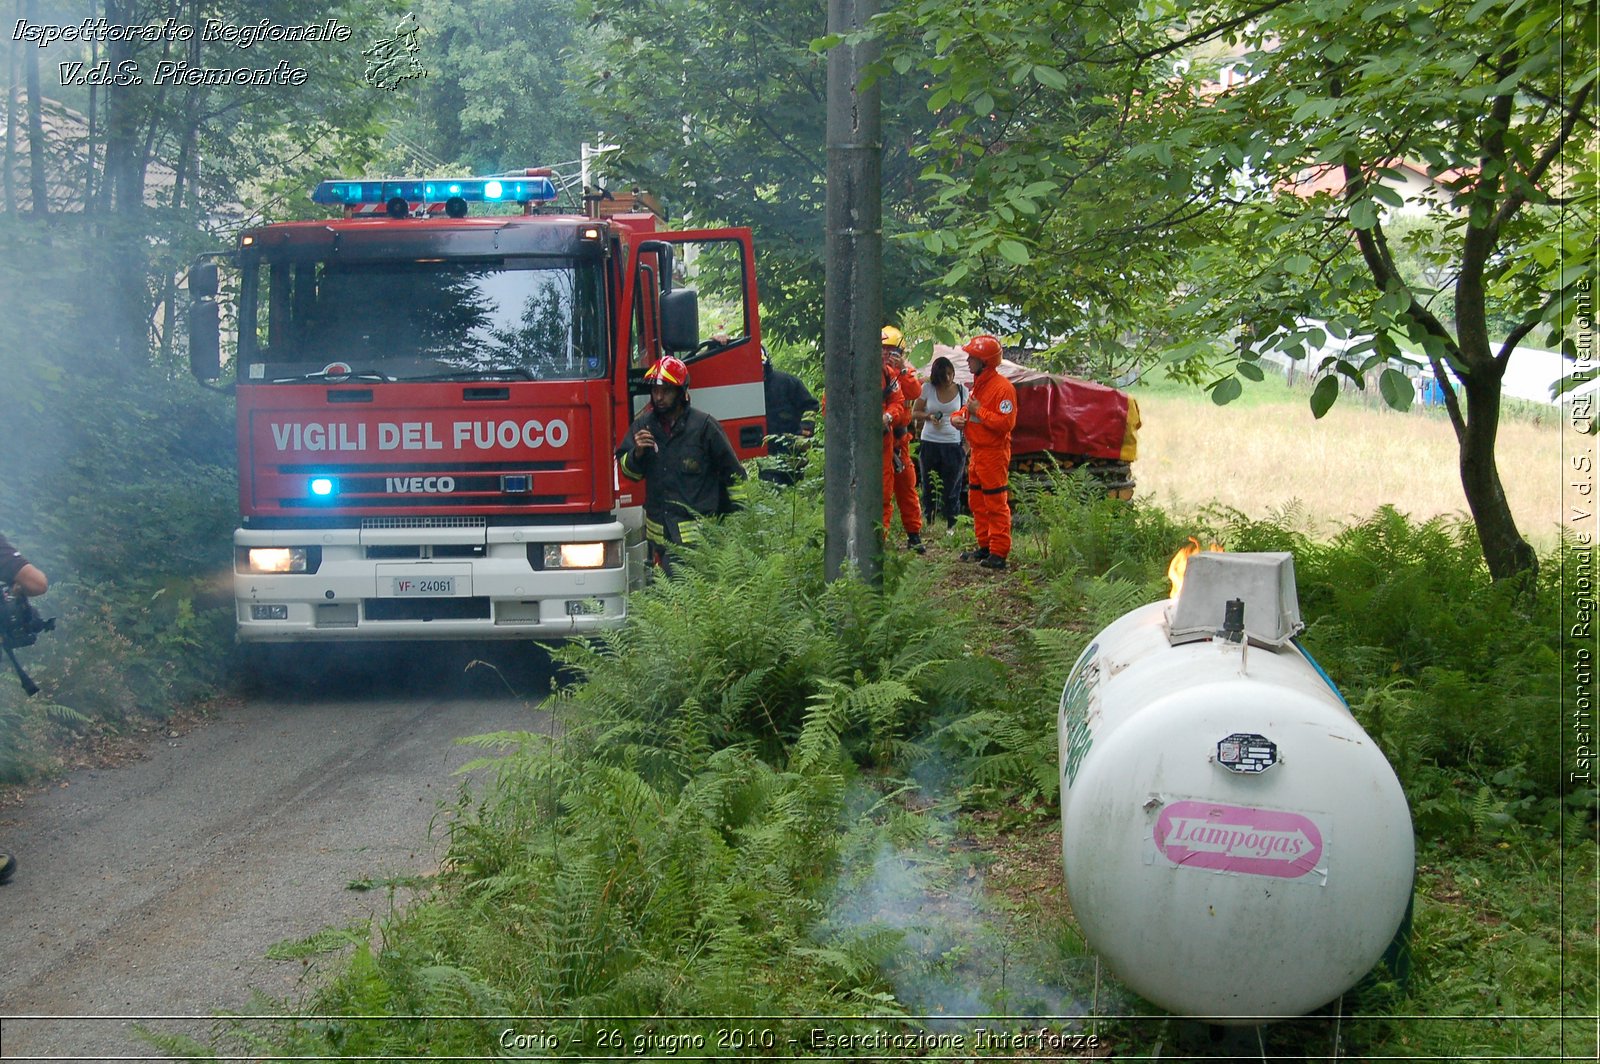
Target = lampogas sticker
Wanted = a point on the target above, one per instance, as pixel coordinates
(1231, 838)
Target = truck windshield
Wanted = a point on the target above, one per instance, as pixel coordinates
(531, 318)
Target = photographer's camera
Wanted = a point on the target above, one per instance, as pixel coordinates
(20, 623)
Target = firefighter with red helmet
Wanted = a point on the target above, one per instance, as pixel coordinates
(900, 473)
(987, 421)
(683, 457)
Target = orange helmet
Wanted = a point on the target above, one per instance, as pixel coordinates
(984, 346)
(893, 337)
(669, 370)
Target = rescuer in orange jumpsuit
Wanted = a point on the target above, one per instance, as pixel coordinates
(987, 420)
(900, 473)
(896, 424)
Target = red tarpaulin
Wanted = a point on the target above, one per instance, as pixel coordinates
(1061, 415)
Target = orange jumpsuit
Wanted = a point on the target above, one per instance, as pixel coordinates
(989, 468)
(905, 479)
(899, 413)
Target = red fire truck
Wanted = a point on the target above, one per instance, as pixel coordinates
(429, 397)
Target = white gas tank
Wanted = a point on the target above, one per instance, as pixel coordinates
(1236, 847)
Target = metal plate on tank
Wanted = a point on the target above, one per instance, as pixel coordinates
(1247, 753)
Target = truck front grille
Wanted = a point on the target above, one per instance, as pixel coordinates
(440, 609)
(441, 521)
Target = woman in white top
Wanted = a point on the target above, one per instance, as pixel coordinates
(942, 460)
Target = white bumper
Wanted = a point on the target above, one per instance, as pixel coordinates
(433, 583)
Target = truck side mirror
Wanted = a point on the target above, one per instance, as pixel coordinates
(205, 336)
(680, 319)
(203, 280)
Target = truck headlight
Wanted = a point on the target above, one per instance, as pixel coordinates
(582, 555)
(279, 559)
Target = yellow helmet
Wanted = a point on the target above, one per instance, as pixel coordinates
(893, 337)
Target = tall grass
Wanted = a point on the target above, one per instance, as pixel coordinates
(1269, 453)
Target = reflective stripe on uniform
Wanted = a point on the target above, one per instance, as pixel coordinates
(688, 529)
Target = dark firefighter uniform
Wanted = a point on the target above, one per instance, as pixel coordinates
(686, 477)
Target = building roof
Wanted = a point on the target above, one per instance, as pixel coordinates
(1415, 178)
(66, 148)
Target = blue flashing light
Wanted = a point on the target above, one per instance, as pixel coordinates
(434, 190)
(323, 487)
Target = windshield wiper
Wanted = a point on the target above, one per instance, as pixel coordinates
(324, 375)
(501, 373)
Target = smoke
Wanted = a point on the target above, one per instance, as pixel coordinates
(921, 908)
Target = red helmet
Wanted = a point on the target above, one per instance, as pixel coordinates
(669, 370)
(984, 346)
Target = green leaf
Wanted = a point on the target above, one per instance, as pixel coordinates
(957, 272)
(1363, 214)
(1573, 274)
(1013, 252)
(1250, 371)
(1385, 194)
(1051, 78)
(1226, 391)
(1323, 395)
(1396, 389)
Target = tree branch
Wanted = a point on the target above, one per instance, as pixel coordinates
(1523, 328)
(1515, 198)
(1513, 338)
(1375, 253)
(1195, 37)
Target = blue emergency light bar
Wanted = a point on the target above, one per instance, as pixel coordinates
(437, 190)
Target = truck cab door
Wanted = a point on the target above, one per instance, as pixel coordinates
(694, 296)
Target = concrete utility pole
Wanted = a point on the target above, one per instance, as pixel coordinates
(853, 306)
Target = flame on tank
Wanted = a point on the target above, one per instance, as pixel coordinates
(1180, 564)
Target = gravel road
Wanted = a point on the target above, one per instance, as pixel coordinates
(154, 889)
